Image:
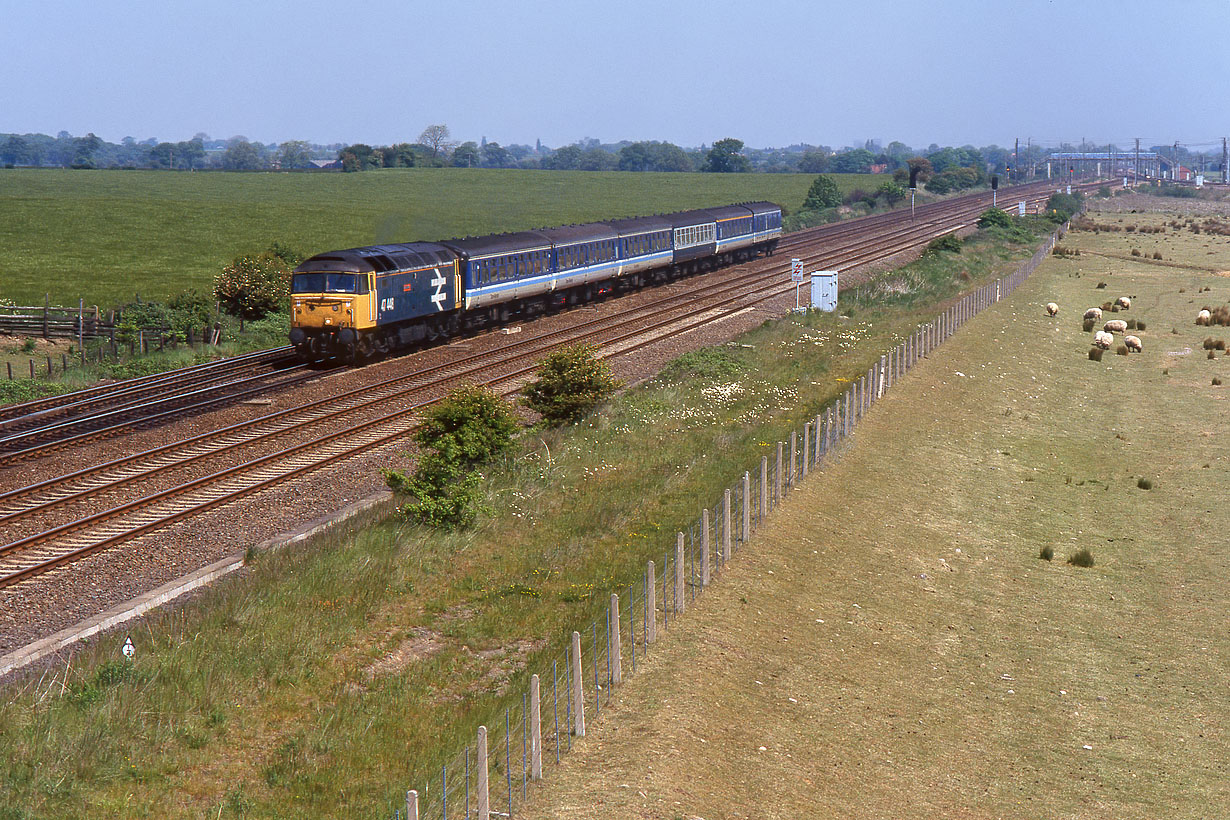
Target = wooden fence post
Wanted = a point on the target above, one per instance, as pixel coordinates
(794, 446)
(412, 805)
(704, 547)
(764, 486)
(726, 539)
(681, 603)
(480, 763)
(617, 668)
(747, 506)
(651, 605)
(578, 689)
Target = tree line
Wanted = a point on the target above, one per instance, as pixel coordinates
(953, 168)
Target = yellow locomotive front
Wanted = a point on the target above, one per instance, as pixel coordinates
(332, 312)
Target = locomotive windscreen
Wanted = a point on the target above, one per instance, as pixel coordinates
(329, 283)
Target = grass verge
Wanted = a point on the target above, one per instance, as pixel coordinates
(329, 679)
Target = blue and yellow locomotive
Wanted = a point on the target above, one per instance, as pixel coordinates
(355, 303)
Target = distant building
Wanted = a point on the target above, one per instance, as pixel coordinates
(878, 169)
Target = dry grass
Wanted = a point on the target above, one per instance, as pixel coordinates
(891, 646)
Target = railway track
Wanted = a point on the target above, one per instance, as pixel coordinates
(46, 425)
(252, 456)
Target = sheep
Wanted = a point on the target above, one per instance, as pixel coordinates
(1124, 302)
(1051, 308)
(1115, 326)
(1133, 343)
(1103, 340)
(1093, 313)
(1204, 317)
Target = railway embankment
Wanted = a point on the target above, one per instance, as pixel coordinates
(333, 677)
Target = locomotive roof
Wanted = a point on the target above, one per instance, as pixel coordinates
(575, 234)
(380, 258)
(640, 224)
(762, 207)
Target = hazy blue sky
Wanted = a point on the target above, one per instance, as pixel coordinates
(772, 73)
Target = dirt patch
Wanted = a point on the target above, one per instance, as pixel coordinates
(419, 645)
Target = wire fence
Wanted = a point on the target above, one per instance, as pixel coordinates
(491, 776)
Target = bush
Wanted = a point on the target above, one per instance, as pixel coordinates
(948, 243)
(994, 218)
(1062, 207)
(1095, 354)
(571, 382)
(822, 194)
(1081, 558)
(1144, 484)
(1046, 553)
(467, 429)
(253, 286)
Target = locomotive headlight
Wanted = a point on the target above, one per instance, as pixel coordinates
(335, 308)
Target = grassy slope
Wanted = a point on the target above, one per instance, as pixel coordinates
(332, 678)
(937, 667)
(107, 235)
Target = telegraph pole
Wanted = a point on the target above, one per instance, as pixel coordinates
(1225, 172)
(1136, 170)
(1016, 159)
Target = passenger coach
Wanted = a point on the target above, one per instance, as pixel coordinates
(361, 301)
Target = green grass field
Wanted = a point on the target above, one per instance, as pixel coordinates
(106, 236)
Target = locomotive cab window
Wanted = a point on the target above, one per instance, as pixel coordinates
(329, 283)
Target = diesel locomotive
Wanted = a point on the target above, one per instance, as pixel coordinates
(352, 304)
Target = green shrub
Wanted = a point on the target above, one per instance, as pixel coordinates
(1046, 553)
(994, 218)
(822, 194)
(571, 382)
(470, 427)
(1095, 354)
(462, 432)
(1144, 484)
(1062, 207)
(949, 243)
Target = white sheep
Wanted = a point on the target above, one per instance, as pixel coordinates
(1115, 326)
(1093, 313)
(1204, 317)
(1051, 308)
(1123, 302)
(1103, 340)
(1133, 343)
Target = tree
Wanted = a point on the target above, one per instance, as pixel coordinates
(822, 194)
(597, 159)
(466, 156)
(400, 155)
(16, 151)
(294, 155)
(567, 158)
(496, 156)
(571, 382)
(241, 155)
(814, 162)
(436, 138)
(857, 161)
(724, 157)
(653, 156)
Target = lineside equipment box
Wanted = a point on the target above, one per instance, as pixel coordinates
(824, 290)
